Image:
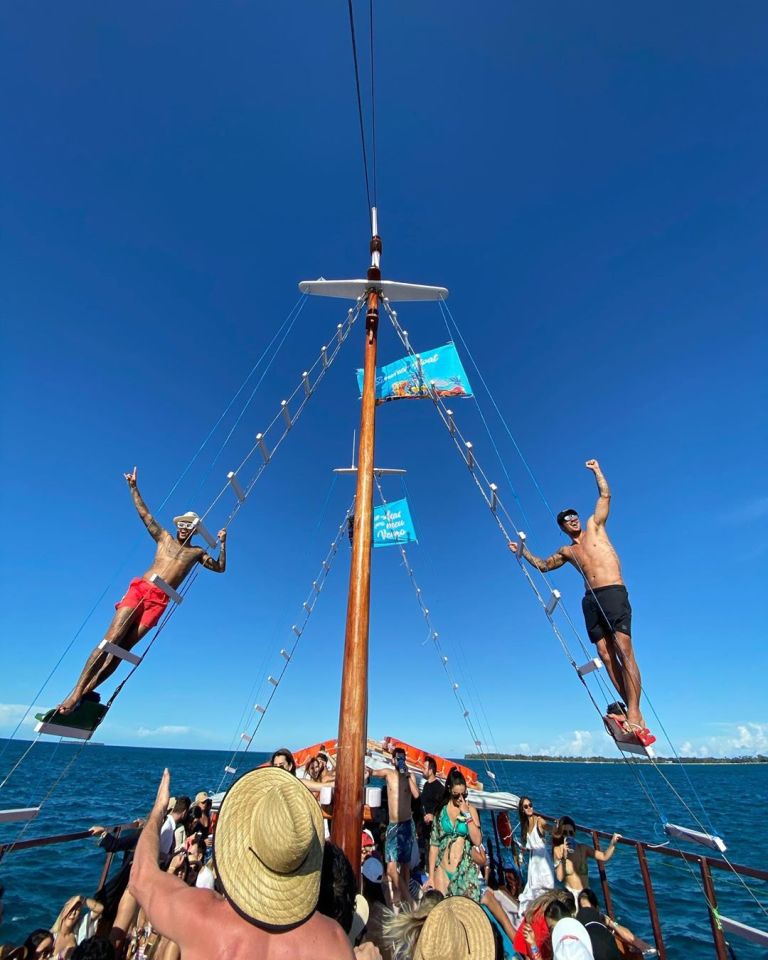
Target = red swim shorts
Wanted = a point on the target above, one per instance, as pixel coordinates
(147, 599)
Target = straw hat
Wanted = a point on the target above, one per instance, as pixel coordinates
(189, 517)
(456, 929)
(268, 849)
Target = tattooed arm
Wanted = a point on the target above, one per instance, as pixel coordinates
(604, 499)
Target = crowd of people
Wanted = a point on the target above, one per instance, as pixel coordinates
(259, 876)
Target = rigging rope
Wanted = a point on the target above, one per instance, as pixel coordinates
(289, 322)
(434, 636)
(359, 106)
(373, 104)
(448, 316)
(493, 501)
(287, 656)
(306, 387)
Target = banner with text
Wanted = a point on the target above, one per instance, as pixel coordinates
(392, 524)
(403, 380)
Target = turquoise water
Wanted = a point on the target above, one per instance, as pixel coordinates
(114, 784)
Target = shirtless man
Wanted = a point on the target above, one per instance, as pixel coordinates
(570, 857)
(205, 924)
(144, 603)
(401, 832)
(607, 612)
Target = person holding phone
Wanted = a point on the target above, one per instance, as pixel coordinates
(455, 831)
(401, 831)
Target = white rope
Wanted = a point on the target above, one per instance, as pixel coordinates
(287, 655)
(500, 514)
(434, 637)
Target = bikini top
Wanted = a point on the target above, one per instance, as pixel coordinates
(458, 829)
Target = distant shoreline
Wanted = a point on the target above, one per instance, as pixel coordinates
(705, 761)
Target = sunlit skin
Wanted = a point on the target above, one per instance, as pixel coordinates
(593, 555)
(174, 558)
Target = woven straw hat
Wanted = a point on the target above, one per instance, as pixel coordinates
(268, 848)
(456, 929)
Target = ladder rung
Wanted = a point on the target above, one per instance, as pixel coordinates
(59, 730)
(707, 839)
(230, 769)
(19, 813)
(235, 484)
(166, 588)
(118, 652)
(206, 534)
(594, 664)
(554, 599)
(739, 929)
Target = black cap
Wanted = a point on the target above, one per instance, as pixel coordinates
(563, 514)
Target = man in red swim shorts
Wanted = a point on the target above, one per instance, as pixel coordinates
(144, 602)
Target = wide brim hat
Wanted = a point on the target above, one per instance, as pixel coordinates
(268, 848)
(456, 929)
(189, 517)
(570, 940)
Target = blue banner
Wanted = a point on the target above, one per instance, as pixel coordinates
(402, 379)
(392, 524)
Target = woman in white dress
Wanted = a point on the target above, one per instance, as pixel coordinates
(541, 870)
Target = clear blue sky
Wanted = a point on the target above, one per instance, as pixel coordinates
(589, 182)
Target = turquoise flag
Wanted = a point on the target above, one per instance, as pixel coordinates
(392, 524)
(402, 379)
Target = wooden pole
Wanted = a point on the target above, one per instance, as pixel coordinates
(353, 710)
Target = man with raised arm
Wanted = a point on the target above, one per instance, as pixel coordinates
(268, 854)
(144, 603)
(607, 613)
(401, 831)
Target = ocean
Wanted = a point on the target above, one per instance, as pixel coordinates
(105, 785)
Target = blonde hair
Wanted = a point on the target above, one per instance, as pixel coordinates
(540, 904)
(402, 930)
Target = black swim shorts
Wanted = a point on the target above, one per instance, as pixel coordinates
(606, 610)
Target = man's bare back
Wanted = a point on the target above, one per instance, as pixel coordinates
(205, 926)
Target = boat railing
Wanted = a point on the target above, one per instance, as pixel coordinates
(706, 866)
(34, 842)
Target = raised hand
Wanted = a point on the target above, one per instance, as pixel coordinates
(514, 547)
(163, 793)
(131, 477)
(592, 465)
(222, 534)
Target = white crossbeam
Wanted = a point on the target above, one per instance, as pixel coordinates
(166, 588)
(18, 813)
(206, 534)
(594, 664)
(235, 484)
(118, 652)
(354, 289)
(59, 730)
(739, 929)
(696, 836)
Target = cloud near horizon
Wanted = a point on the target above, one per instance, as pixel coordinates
(169, 730)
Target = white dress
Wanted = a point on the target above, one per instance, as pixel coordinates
(541, 870)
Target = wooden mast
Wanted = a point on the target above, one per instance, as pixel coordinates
(353, 709)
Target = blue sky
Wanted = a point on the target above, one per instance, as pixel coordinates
(589, 182)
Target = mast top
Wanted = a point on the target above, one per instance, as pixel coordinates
(393, 290)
